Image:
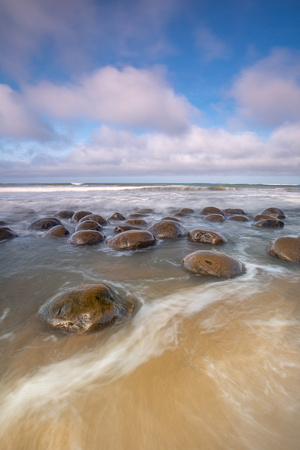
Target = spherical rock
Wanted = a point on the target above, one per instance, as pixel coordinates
(187, 211)
(88, 225)
(131, 240)
(275, 212)
(80, 214)
(56, 232)
(44, 224)
(171, 218)
(269, 223)
(214, 264)
(121, 228)
(206, 237)
(145, 211)
(239, 218)
(215, 218)
(96, 218)
(167, 229)
(86, 237)
(136, 222)
(7, 233)
(211, 210)
(234, 211)
(86, 308)
(65, 214)
(116, 216)
(263, 216)
(287, 248)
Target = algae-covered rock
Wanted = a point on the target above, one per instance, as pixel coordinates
(85, 308)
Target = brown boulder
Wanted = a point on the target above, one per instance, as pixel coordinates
(56, 232)
(214, 264)
(167, 229)
(116, 216)
(86, 308)
(239, 218)
(131, 240)
(136, 222)
(211, 210)
(80, 214)
(274, 212)
(206, 237)
(287, 248)
(7, 233)
(269, 223)
(187, 211)
(263, 216)
(88, 225)
(66, 214)
(215, 218)
(96, 218)
(170, 218)
(234, 211)
(145, 211)
(86, 237)
(44, 224)
(121, 228)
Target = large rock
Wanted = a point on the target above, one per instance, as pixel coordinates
(80, 214)
(287, 248)
(131, 240)
(56, 232)
(65, 214)
(269, 223)
(121, 228)
(211, 210)
(116, 217)
(206, 237)
(136, 222)
(239, 218)
(6, 233)
(88, 225)
(214, 264)
(167, 229)
(86, 308)
(86, 237)
(44, 224)
(96, 218)
(275, 212)
(234, 211)
(215, 218)
(187, 211)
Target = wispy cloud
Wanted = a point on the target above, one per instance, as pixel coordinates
(211, 46)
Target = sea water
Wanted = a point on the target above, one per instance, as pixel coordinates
(202, 364)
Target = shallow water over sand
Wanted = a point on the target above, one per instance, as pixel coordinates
(202, 364)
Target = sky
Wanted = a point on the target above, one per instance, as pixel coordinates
(150, 91)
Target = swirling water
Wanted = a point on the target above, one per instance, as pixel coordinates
(203, 364)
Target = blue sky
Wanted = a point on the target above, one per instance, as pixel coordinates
(160, 90)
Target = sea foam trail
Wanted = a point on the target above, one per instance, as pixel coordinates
(152, 331)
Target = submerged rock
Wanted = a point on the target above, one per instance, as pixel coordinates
(287, 248)
(269, 223)
(86, 308)
(214, 264)
(211, 210)
(136, 222)
(56, 232)
(88, 225)
(96, 218)
(44, 224)
(131, 240)
(6, 233)
(65, 214)
(116, 216)
(206, 237)
(80, 214)
(187, 211)
(167, 229)
(86, 237)
(274, 212)
(121, 228)
(234, 211)
(239, 218)
(215, 218)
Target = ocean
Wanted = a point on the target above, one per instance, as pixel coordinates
(203, 363)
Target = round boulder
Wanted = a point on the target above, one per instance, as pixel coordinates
(167, 229)
(131, 240)
(287, 248)
(121, 228)
(44, 224)
(234, 211)
(94, 217)
(206, 237)
(116, 216)
(6, 233)
(66, 214)
(80, 214)
(86, 237)
(145, 211)
(274, 212)
(211, 210)
(269, 223)
(136, 222)
(215, 218)
(56, 232)
(263, 216)
(88, 225)
(214, 264)
(187, 211)
(239, 218)
(170, 218)
(86, 308)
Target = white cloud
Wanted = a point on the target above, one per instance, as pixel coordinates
(17, 119)
(130, 97)
(268, 93)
